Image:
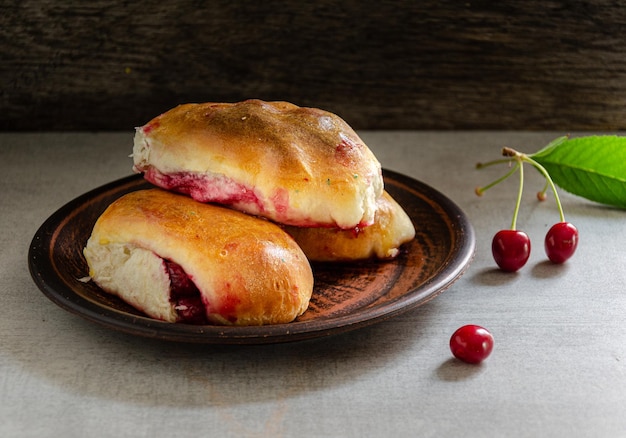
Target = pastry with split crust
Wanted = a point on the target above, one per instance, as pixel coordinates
(179, 260)
(392, 228)
(294, 165)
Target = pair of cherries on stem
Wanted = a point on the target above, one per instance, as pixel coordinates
(511, 248)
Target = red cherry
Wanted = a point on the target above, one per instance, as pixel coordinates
(471, 343)
(561, 242)
(511, 249)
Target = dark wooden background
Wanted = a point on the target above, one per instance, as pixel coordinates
(113, 65)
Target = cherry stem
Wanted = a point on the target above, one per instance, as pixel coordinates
(491, 163)
(520, 158)
(542, 194)
(508, 152)
(549, 181)
(480, 190)
(520, 164)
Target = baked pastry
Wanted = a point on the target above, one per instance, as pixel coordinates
(294, 165)
(178, 260)
(392, 227)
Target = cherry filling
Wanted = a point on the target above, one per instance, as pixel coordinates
(185, 295)
(204, 188)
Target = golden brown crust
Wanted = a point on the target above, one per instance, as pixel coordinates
(305, 166)
(248, 270)
(392, 228)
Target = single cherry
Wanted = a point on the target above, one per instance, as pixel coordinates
(561, 242)
(471, 343)
(511, 249)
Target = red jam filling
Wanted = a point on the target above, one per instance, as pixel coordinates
(347, 152)
(151, 126)
(223, 190)
(185, 295)
(204, 189)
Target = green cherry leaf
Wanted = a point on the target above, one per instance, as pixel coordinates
(553, 144)
(593, 167)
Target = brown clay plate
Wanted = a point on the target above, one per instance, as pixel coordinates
(345, 296)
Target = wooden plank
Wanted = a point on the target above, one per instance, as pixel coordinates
(104, 65)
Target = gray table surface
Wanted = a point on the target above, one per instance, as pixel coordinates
(558, 367)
